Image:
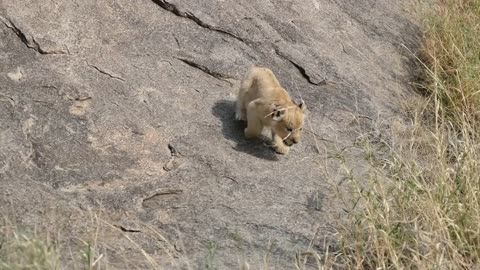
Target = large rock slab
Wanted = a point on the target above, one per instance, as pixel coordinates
(126, 107)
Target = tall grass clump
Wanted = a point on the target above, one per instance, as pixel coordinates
(22, 250)
(421, 206)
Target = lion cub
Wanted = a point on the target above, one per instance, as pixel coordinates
(262, 102)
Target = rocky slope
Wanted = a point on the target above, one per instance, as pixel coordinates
(120, 113)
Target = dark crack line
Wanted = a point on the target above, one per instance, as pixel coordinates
(216, 75)
(173, 151)
(231, 178)
(123, 229)
(33, 44)
(304, 73)
(162, 193)
(106, 73)
(301, 69)
(188, 15)
(170, 165)
(8, 99)
(178, 42)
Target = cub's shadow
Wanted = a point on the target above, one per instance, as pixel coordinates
(232, 129)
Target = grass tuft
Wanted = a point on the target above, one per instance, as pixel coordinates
(22, 250)
(421, 209)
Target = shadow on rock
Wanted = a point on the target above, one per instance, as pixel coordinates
(233, 130)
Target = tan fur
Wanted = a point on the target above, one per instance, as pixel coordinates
(262, 102)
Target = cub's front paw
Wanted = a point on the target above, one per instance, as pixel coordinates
(281, 149)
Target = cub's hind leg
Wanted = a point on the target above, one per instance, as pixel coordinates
(254, 124)
(241, 110)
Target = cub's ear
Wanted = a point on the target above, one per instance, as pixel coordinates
(302, 106)
(278, 113)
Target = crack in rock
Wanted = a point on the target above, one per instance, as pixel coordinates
(124, 229)
(163, 193)
(8, 99)
(173, 151)
(231, 178)
(216, 75)
(302, 70)
(106, 73)
(188, 15)
(173, 163)
(28, 40)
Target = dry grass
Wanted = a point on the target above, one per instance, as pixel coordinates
(36, 249)
(421, 209)
(22, 250)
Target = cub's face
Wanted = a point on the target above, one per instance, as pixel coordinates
(288, 123)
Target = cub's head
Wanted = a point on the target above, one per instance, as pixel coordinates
(288, 122)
